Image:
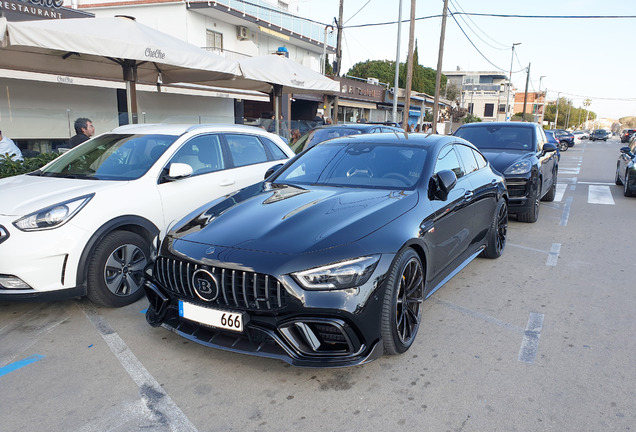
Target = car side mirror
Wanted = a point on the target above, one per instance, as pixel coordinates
(444, 181)
(178, 171)
(549, 147)
(625, 150)
(272, 170)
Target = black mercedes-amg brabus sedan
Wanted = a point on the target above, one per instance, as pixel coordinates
(327, 262)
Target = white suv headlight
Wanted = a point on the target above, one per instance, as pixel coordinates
(53, 216)
(342, 275)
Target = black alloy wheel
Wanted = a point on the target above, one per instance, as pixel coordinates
(532, 214)
(116, 269)
(563, 146)
(402, 307)
(498, 232)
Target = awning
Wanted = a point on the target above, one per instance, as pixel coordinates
(357, 104)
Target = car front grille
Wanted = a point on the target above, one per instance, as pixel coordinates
(517, 189)
(237, 289)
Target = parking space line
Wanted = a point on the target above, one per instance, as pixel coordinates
(599, 194)
(481, 316)
(560, 191)
(553, 255)
(530, 343)
(160, 405)
(527, 248)
(566, 212)
(20, 364)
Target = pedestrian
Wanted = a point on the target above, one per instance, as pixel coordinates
(84, 129)
(295, 136)
(417, 128)
(7, 146)
(328, 120)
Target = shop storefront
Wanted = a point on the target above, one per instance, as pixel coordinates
(358, 102)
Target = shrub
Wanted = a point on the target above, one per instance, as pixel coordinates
(9, 167)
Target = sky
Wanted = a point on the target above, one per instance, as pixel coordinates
(578, 58)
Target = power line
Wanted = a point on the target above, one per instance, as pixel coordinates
(456, 5)
(353, 16)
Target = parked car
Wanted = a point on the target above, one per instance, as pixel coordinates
(599, 134)
(352, 235)
(564, 136)
(626, 134)
(552, 140)
(626, 168)
(324, 133)
(522, 153)
(84, 223)
(580, 135)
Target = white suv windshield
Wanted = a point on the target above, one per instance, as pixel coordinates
(110, 157)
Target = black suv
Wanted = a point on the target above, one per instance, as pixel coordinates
(564, 136)
(599, 134)
(324, 133)
(527, 160)
(626, 134)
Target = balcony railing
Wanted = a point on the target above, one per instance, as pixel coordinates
(277, 19)
(228, 54)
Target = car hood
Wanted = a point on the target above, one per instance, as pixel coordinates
(293, 220)
(24, 194)
(502, 159)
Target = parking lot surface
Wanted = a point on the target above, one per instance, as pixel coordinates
(538, 340)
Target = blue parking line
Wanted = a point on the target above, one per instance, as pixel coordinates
(20, 364)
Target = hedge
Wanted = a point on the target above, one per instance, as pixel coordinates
(9, 167)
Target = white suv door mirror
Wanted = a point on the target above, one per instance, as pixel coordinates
(179, 170)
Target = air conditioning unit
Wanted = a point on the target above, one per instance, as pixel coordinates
(242, 33)
(373, 81)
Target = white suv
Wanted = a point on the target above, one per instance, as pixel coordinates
(84, 223)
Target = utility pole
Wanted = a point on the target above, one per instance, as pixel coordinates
(438, 77)
(525, 96)
(397, 66)
(409, 69)
(556, 117)
(338, 59)
(512, 56)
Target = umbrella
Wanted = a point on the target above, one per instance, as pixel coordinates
(108, 48)
(277, 74)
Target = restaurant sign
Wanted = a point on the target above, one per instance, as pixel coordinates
(28, 10)
(359, 90)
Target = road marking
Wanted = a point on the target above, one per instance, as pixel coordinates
(530, 343)
(553, 255)
(566, 212)
(527, 248)
(560, 191)
(481, 316)
(20, 364)
(567, 170)
(597, 183)
(600, 195)
(160, 406)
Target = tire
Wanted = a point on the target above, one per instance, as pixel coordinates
(116, 269)
(626, 190)
(551, 194)
(617, 177)
(532, 215)
(563, 146)
(498, 232)
(402, 306)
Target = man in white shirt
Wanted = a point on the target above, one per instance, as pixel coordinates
(8, 146)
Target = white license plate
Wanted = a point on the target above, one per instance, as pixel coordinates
(212, 317)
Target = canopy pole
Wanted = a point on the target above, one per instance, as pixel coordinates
(278, 93)
(130, 76)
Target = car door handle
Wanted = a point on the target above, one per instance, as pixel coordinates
(468, 195)
(227, 182)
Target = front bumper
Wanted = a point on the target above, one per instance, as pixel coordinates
(520, 189)
(45, 261)
(318, 329)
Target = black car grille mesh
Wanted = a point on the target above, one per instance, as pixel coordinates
(237, 289)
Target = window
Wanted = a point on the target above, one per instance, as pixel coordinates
(489, 110)
(466, 153)
(214, 40)
(481, 161)
(502, 108)
(202, 153)
(448, 160)
(274, 149)
(246, 150)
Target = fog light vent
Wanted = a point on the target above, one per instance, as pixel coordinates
(320, 337)
(13, 282)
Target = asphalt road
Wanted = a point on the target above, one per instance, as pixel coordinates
(541, 339)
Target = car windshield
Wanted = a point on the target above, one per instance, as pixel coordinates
(110, 157)
(359, 164)
(323, 134)
(508, 137)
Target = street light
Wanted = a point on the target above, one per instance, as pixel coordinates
(510, 81)
(536, 113)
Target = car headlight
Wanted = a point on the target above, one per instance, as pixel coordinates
(520, 167)
(53, 216)
(342, 275)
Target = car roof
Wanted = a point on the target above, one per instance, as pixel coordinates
(420, 139)
(499, 124)
(179, 129)
(359, 126)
